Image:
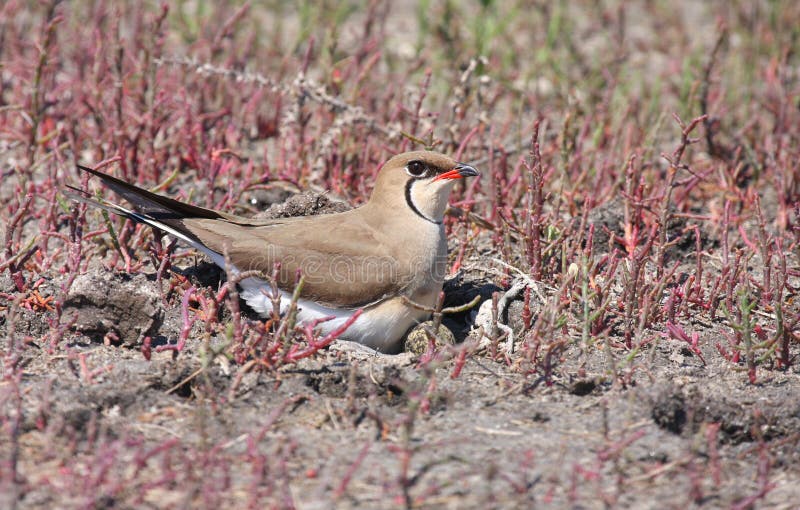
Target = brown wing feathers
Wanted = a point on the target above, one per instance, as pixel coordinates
(258, 244)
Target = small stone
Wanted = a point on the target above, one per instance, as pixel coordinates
(417, 339)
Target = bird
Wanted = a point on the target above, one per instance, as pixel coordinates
(386, 259)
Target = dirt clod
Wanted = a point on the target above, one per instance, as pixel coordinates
(127, 306)
(307, 203)
(582, 387)
(669, 410)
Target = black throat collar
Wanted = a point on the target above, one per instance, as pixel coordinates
(410, 202)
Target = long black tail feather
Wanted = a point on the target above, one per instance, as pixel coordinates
(155, 206)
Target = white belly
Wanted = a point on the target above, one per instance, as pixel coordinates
(380, 326)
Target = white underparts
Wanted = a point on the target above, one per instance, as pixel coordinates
(378, 327)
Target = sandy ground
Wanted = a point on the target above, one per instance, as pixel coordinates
(357, 429)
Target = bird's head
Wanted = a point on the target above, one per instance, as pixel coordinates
(419, 181)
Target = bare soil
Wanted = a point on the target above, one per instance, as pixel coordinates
(358, 429)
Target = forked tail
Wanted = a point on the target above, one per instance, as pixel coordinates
(150, 209)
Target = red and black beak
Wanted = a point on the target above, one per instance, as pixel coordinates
(459, 171)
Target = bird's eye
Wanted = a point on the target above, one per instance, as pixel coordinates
(416, 168)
